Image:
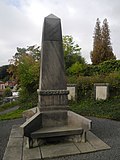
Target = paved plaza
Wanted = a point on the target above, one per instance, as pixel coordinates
(107, 130)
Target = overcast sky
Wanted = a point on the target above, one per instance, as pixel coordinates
(21, 23)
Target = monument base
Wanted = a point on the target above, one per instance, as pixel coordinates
(16, 147)
(54, 124)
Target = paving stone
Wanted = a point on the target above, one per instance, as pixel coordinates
(17, 150)
(108, 135)
(96, 142)
(33, 153)
(15, 142)
(16, 132)
(13, 153)
(14, 146)
(85, 147)
(57, 150)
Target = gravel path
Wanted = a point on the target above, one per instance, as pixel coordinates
(9, 110)
(5, 128)
(107, 130)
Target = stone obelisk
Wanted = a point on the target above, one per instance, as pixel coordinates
(52, 87)
(52, 119)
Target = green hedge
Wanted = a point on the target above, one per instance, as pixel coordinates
(103, 68)
(85, 84)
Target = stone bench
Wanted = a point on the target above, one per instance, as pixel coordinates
(56, 132)
(56, 124)
(69, 133)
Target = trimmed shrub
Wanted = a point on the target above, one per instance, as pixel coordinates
(103, 68)
(85, 84)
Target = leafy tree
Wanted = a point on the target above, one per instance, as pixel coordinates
(102, 49)
(76, 69)
(72, 52)
(28, 70)
(29, 79)
(32, 51)
(25, 69)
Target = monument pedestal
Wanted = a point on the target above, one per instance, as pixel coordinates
(16, 147)
(56, 124)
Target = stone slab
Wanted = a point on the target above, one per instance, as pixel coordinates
(30, 112)
(85, 147)
(80, 121)
(16, 132)
(52, 29)
(15, 145)
(17, 150)
(57, 131)
(15, 142)
(52, 75)
(54, 118)
(32, 124)
(57, 150)
(29, 154)
(96, 142)
(13, 153)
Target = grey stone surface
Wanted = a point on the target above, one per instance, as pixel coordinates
(85, 147)
(52, 87)
(12, 153)
(57, 131)
(32, 124)
(30, 112)
(5, 129)
(96, 142)
(52, 58)
(52, 72)
(54, 108)
(54, 118)
(52, 29)
(80, 121)
(17, 147)
(15, 142)
(33, 153)
(58, 150)
(109, 133)
(16, 132)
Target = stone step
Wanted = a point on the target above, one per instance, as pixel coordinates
(57, 131)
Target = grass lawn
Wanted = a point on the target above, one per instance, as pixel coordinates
(103, 109)
(12, 115)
